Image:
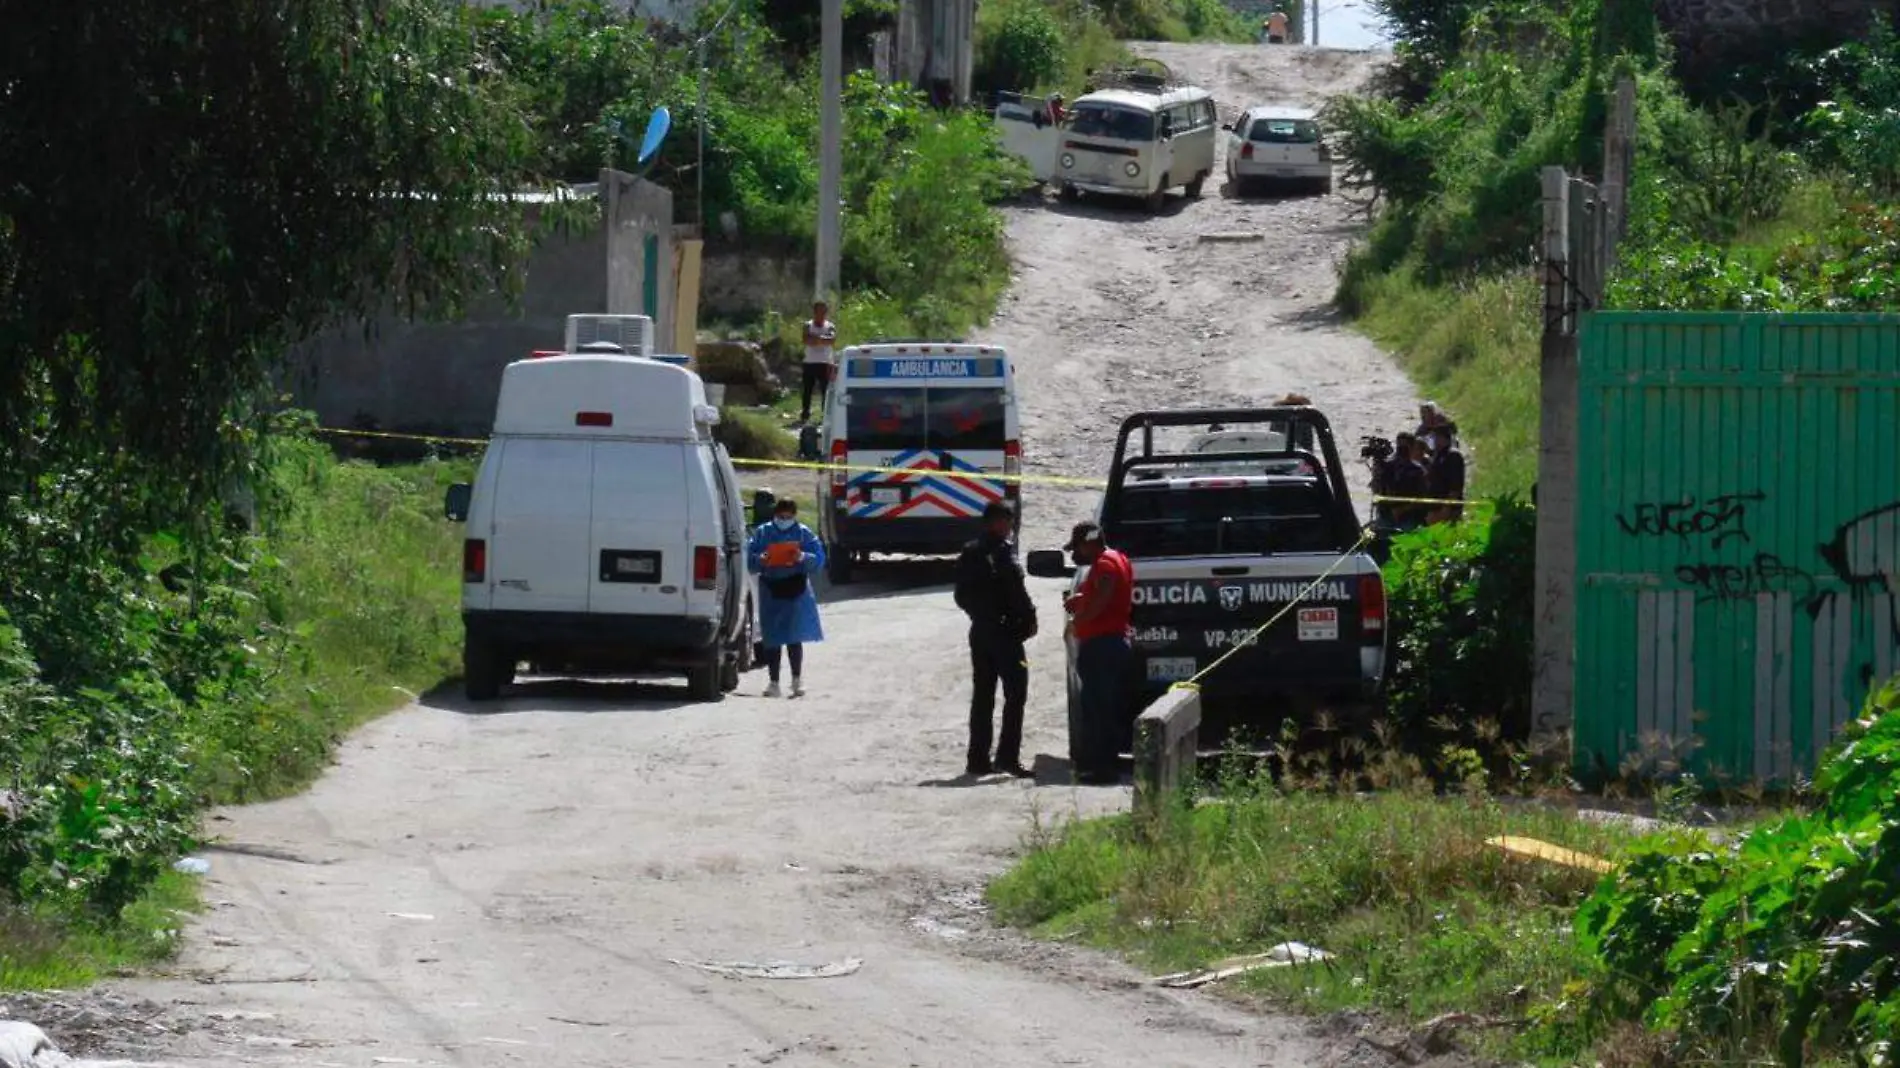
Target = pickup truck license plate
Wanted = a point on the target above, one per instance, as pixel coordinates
(1319, 624)
(1170, 668)
(887, 495)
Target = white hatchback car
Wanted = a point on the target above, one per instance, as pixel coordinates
(1278, 143)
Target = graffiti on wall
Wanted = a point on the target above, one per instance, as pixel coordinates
(1864, 555)
(1702, 526)
(1850, 589)
(1717, 518)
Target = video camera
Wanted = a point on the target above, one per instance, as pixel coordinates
(1375, 450)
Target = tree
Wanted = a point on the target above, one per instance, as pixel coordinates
(187, 188)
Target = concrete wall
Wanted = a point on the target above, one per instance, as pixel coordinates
(442, 378)
(736, 283)
(936, 41)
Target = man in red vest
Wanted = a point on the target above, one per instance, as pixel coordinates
(1099, 615)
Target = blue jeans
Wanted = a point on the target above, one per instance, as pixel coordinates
(1101, 668)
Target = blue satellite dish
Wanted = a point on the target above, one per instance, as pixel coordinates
(657, 126)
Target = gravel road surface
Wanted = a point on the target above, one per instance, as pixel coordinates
(542, 881)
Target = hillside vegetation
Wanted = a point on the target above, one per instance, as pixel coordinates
(1763, 202)
(199, 599)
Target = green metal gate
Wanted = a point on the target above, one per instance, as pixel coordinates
(1738, 544)
(650, 278)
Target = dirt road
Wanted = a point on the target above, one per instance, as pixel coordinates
(536, 882)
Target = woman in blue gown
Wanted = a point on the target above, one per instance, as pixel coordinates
(785, 554)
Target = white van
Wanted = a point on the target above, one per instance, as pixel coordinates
(605, 532)
(1278, 143)
(897, 415)
(1138, 136)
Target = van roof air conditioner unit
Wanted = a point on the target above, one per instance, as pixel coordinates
(633, 333)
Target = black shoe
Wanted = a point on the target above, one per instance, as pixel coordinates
(976, 769)
(1014, 769)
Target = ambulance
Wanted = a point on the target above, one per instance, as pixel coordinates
(910, 431)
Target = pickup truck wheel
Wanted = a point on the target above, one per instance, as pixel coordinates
(1068, 194)
(485, 669)
(838, 566)
(1194, 187)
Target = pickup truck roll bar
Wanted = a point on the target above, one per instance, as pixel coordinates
(1311, 420)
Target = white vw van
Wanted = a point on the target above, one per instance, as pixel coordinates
(1139, 135)
(605, 533)
(899, 416)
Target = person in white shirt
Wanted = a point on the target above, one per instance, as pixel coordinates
(820, 333)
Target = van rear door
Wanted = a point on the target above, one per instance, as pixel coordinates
(968, 428)
(1021, 134)
(537, 553)
(639, 554)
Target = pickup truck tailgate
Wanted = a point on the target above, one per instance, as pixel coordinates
(1329, 634)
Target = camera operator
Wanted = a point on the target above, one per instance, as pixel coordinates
(1406, 476)
(1376, 454)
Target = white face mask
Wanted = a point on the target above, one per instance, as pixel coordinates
(783, 522)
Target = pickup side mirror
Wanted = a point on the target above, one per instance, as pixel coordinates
(455, 502)
(1049, 563)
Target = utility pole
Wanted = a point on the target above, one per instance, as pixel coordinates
(830, 137)
(1313, 5)
(1582, 228)
(1554, 622)
(1619, 148)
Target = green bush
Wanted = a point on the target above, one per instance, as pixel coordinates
(1783, 942)
(1459, 596)
(135, 691)
(750, 435)
(1019, 46)
(1855, 127)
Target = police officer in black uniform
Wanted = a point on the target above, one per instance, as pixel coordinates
(990, 591)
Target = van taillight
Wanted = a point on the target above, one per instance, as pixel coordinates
(542, 354)
(1246, 150)
(1012, 466)
(840, 455)
(593, 418)
(705, 567)
(1372, 604)
(474, 560)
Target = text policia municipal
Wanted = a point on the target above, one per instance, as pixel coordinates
(1233, 595)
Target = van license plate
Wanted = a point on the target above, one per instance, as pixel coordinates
(1319, 624)
(1170, 668)
(887, 495)
(629, 565)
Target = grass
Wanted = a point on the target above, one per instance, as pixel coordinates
(1422, 917)
(371, 593)
(40, 952)
(367, 583)
(1473, 348)
(751, 434)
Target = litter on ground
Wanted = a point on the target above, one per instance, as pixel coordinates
(774, 969)
(1532, 849)
(1284, 955)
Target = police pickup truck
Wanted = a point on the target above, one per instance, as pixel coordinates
(1219, 549)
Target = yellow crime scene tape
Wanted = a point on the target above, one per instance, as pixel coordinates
(860, 469)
